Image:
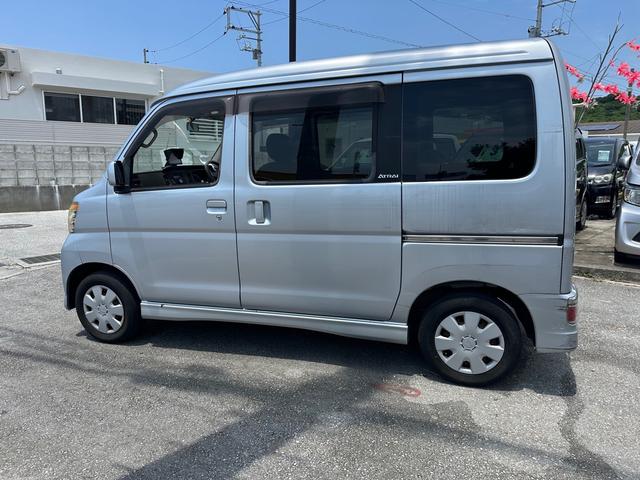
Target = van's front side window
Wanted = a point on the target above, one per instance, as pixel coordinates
(319, 144)
(469, 129)
(183, 148)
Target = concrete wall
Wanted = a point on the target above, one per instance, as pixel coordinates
(47, 165)
(37, 198)
(46, 177)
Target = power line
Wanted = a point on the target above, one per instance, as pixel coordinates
(196, 51)
(482, 10)
(300, 11)
(335, 26)
(445, 21)
(190, 37)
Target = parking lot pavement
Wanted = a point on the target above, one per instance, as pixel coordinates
(594, 253)
(196, 400)
(29, 234)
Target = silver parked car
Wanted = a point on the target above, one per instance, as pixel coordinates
(425, 195)
(628, 220)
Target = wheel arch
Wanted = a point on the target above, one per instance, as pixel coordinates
(435, 293)
(86, 269)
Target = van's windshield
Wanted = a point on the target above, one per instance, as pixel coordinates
(600, 152)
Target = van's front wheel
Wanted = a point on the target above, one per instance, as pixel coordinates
(471, 339)
(106, 308)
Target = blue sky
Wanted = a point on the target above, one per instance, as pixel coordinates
(122, 28)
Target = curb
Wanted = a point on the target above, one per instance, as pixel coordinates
(619, 274)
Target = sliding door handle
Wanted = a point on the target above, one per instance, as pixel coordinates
(259, 211)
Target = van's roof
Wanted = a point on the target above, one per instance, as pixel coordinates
(474, 54)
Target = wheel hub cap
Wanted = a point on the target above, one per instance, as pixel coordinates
(103, 309)
(469, 342)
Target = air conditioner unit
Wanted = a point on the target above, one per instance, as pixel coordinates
(9, 60)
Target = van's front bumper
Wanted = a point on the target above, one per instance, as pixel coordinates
(553, 331)
(628, 230)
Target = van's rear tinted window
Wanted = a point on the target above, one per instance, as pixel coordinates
(469, 129)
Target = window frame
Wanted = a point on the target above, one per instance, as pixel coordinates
(115, 109)
(148, 123)
(248, 99)
(44, 105)
(414, 78)
(82, 107)
(80, 95)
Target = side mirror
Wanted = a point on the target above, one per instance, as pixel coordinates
(115, 177)
(624, 162)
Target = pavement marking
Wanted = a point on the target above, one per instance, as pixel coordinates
(404, 390)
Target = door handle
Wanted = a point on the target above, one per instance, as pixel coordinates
(216, 207)
(259, 211)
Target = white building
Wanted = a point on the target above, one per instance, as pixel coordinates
(62, 98)
(63, 116)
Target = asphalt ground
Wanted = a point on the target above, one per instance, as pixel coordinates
(222, 400)
(196, 400)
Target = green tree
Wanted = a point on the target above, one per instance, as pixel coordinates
(608, 109)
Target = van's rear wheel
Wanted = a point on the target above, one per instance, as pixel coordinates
(471, 339)
(582, 220)
(106, 308)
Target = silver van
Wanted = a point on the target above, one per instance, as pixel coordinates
(627, 246)
(422, 196)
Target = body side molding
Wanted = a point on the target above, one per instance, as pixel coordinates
(483, 239)
(393, 332)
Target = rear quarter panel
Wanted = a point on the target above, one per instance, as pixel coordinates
(534, 205)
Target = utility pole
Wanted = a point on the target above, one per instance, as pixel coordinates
(254, 16)
(627, 111)
(292, 30)
(536, 30)
(144, 54)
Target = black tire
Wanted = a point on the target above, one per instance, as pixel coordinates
(582, 220)
(487, 306)
(131, 319)
(611, 213)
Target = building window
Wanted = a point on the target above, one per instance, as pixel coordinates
(129, 112)
(67, 107)
(469, 129)
(62, 107)
(97, 109)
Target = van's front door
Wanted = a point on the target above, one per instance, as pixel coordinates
(318, 200)
(174, 233)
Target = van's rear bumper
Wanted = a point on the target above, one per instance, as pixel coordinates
(554, 333)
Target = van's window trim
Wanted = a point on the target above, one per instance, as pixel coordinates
(246, 100)
(173, 187)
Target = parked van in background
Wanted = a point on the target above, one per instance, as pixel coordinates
(608, 159)
(425, 195)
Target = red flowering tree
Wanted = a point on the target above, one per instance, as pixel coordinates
(623, 69)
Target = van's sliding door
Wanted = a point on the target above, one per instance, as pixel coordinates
(318, 198)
